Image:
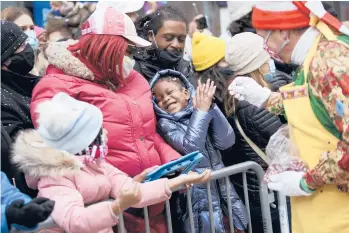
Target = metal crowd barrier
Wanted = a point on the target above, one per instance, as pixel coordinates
(266, 198)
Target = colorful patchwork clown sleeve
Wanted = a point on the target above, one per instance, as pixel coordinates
(329, 83)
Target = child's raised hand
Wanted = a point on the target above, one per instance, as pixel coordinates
(204, 95)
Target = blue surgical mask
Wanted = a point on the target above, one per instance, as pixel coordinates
(268, 77)
(32, 40)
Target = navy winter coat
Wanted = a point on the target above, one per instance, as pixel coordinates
(208, 132)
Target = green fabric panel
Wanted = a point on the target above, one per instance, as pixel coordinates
(344, 39)
(299, 76)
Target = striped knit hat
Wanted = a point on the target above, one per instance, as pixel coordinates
(292, 15)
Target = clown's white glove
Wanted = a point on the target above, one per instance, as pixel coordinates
(290, 183)
(245, 88)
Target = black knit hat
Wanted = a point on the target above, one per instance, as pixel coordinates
(12, 37)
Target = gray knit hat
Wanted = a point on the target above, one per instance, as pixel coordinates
(245, 53)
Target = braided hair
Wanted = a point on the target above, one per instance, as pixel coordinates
(97, 148)
(215, 74)
(154, 21)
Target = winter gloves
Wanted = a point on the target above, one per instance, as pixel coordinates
(29, 215)
(245, 88)
(290, 183)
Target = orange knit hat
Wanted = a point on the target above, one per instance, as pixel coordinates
(278, 16)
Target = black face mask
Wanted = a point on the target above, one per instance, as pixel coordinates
(169, 59)
(23, 62)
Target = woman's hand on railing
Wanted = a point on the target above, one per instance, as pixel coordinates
(189, 179)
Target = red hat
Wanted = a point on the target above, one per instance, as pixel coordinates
(278, 16)
(292, 15)
(110, 21)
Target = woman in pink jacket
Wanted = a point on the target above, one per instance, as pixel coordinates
(64, 159)
(98, 69)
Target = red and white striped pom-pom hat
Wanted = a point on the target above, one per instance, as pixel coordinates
(110, 21)
(292, 15)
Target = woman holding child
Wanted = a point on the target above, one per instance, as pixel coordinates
(98, 69)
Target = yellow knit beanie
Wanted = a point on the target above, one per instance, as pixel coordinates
(206, 51)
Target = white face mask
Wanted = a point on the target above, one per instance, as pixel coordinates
(127, 66)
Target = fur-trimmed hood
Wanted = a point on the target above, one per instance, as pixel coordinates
(36, 159)
(59, 56)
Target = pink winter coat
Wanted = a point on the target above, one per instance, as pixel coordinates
(129, 118)
(73, 183)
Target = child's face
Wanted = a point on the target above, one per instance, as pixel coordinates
(171, 96)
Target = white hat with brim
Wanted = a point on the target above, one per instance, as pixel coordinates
(111, 21)
(140, 42)
(68, 124)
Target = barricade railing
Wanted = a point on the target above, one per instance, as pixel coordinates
(266, 199)
(225, 173)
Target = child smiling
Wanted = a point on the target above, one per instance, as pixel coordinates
(189, 122)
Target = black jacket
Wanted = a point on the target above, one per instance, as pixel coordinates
(258, 124)
(286, 68)
(16, 93)
(148, 65)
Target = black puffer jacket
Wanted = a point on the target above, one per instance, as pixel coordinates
(16, 93)
(148, 64)
(258, 124)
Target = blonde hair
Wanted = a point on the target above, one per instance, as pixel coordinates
(230, 102)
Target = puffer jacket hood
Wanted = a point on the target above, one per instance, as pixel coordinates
(185, 112)
(60, 57)
(208, 132)
(36, 159)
